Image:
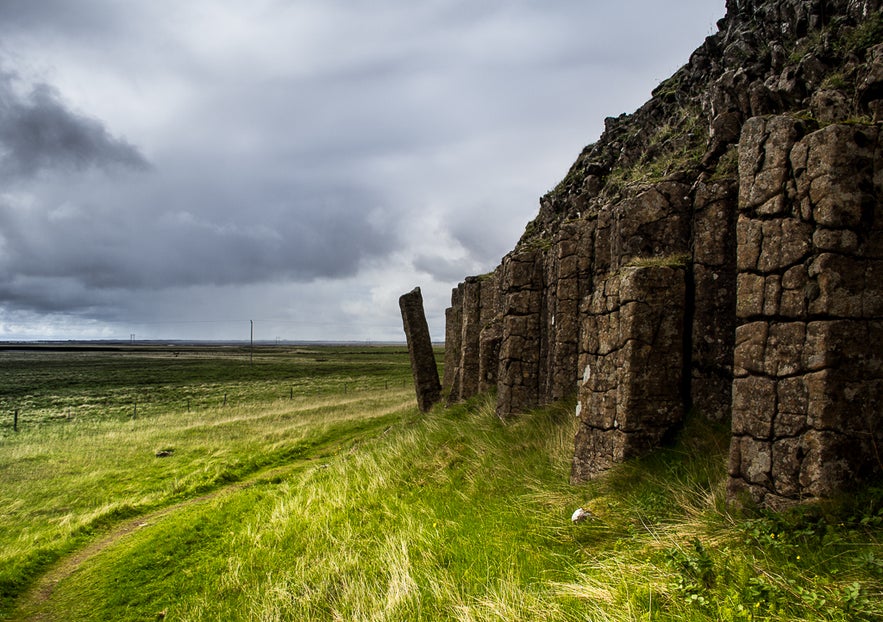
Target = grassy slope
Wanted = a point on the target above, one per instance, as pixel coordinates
(63, 480)
(457, 516)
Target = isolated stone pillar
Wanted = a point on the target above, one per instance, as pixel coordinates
(423, 364)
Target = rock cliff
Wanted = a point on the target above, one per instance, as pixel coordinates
(720, 249)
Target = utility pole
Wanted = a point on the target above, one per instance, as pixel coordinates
(251, 354)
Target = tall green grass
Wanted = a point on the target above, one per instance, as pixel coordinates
(77, 466)
(61, 486)
(458, 516)
(361, 508)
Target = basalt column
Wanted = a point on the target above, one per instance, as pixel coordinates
(567, 278)
(633, 340)
(630, 394)
(470, 333)
(423, 364)
(713, 311)
(518, 385)
(453, 338)
(808, 362)
(491, 332)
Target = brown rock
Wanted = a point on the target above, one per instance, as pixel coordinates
(631, 396)
(749, 355)
(757, 461)
(423, 364)
(754, 400)
(764, 151)
(786, 241)
(787, 461)
(776, 319)
(830, 106)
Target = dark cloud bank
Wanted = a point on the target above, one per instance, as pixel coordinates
(309, 161)
(101, 217)
(37, 132)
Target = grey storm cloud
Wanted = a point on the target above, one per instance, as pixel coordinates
(443, 269)
(102, 218)
(170, 160)
(57, 15)
(38, 132)
(116, 239)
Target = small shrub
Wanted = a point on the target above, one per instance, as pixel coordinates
(866, 34)
(695, 572)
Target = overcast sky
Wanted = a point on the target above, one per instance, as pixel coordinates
(175, 169)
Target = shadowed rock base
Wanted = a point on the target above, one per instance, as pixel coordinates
(420, 349)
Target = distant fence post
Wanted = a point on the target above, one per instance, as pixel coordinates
(135, 410)
(15, 421)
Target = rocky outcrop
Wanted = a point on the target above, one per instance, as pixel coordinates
(718, 250)
(472, 337)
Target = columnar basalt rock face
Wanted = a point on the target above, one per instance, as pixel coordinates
(630, 397)
(470, 338)
(453, 346)
(453, 334)
(491, 334)
(524, 337)
(568, 277)
(473, 332)
(764, 233)
(712, 281)
(655, 222)
(423, 364)
(809, 370)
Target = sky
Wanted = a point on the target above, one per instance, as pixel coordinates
(178, 170)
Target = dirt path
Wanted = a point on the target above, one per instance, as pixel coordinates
(31, 604)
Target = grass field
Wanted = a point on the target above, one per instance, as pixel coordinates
(95, 383)
(320, 493)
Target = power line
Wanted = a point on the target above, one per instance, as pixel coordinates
(262, 321)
